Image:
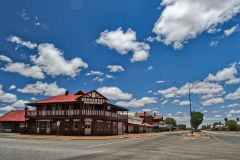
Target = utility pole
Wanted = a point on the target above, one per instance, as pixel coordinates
(190, 107)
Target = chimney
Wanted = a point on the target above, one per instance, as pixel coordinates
(66, 92)
(154, 113)
(144, 114)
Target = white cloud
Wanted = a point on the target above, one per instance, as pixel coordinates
(184, 103)
(24, 70)
(146, 110)
(212, 101)
(108, 76)
(160, 81)
(233, 96)
(5, 59)
(218, 116)
(40, 88)
(227, 73)
(94, 73)
(28, 44)
(230, 31)
(19, 103)
(234, 111)
(24, 15)
(203, 88)
(12, 87)
(176, 101)
(125, 42)
(137, 102)
(178, 23)
(168, 93)
(213, 43)
(99, 79)
(51, 61)
(115, 68)
(233, 105)
(233, 81)
(214, 30)
(150, 68)
(164, 102)
(7, 97)
(114, 93)
(7, 108)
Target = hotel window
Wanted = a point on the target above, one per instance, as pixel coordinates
(75, 125)
(66, 125)
(109, 124)
(22, 125)
(43, 125)
(99, 124)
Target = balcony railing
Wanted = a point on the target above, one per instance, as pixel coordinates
(75, 113)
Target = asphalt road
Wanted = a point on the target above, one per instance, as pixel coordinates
(163, 146)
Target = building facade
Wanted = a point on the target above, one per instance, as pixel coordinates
(13, 121)
(76, 114)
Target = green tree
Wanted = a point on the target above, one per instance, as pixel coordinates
(170, 121)
(196, 119)
(232, 125)
(182, 126)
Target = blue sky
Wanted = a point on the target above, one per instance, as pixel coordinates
(141, 54)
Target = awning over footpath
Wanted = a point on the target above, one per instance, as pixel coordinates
(14, 115)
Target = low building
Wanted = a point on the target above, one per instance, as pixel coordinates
(79, 113)
(13, 121)
(156, 121)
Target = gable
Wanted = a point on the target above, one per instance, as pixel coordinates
(93, 97)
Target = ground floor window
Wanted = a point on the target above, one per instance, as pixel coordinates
(75, 124)
(43, 125)
(99, 125)
(109, 124)
(22, 125)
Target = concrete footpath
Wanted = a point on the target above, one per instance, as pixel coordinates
(87, 137)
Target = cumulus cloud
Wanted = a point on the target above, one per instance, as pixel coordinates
(94, 73)
(25, 70)
(184, 103)
(19, 103)
(7, 108)
(233, 81)
(213, 43)
(125, 42)
(213, 101)
(203, 88)
(99, 79)
(137, 102)
(12, 87)
(19, 41)
(233, 96)
(114, 93)
(234, 111)
(227, 73)
(230, 31)
(5, 59)
(178, 23)
(115, 68)
(51, 61)
(40, 88)
(165, 101)
(233, 105)
(7, 97)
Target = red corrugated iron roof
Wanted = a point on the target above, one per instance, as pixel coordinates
(142, 114)
(60, 98)
(13, 115)
(158, 117)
